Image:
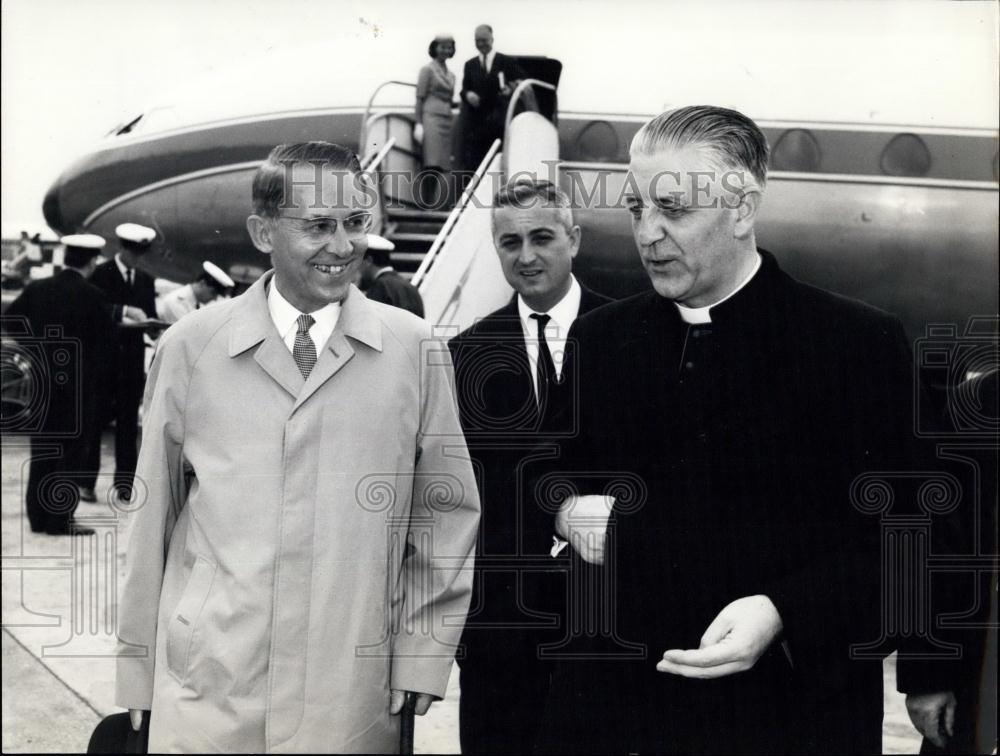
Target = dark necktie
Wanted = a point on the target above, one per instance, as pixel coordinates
(128, 277)
(482, 61)
(545, 370)
(304, 351)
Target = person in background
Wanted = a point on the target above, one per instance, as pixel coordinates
(487, 83)
(380, 281)
(435, 90)
(508, 371)
(212, 285)
(72, 333)
(123, 284)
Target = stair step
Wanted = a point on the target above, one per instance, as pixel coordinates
(418, 215)
(412, 227)
(411, 237)
(408, 257)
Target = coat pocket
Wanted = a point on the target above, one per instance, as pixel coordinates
(185, 617)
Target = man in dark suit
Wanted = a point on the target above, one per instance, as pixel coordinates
(71, 331)
(123, 285)
(381, 282)
(733, 407)
(487, 83)
(508, 374)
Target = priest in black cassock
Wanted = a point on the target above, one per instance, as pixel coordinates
(733, 406)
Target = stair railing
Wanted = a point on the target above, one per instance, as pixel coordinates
(477, 177)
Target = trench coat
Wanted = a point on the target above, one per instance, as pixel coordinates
(297, 547)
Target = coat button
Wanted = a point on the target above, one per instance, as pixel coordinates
(689, 365)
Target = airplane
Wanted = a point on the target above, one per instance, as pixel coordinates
(884, 169)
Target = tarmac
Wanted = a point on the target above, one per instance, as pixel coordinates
(58, 617)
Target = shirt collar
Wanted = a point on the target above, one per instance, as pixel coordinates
(122, 267)
(489, 59)
(386, 269)
(562, 313)
(285, 315)
(699, 315)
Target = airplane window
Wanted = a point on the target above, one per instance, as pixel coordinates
(598, 141)
(796, 150)
(906, 155)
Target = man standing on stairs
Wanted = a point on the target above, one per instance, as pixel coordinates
(508, 377)
(487, 83)
(381, 282)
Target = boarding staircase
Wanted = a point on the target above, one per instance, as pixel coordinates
(412, 231)
(449, 254)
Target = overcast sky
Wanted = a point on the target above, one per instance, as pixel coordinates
(72, 70)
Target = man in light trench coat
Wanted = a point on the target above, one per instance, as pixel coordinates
(300, 551)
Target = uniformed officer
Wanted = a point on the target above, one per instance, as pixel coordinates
(380, 281)
(213, 284)
(68, 335)
(123, 284)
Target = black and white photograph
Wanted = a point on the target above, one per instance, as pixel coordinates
(502, 377)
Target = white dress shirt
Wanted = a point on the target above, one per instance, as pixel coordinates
(489, 59)
(123, 268)
(285, 317)
(699, 315)
(561, 317)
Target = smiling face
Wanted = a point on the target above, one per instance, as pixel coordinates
(314, 266)
(536, 252)
(693, 228)
(444, 49)
(484, 40)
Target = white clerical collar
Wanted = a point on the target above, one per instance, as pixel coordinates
(699, 315)
(285, 317)
(562, 314)
(386, 269)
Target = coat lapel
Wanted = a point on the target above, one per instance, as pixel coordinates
(252, 325)
(357, 321)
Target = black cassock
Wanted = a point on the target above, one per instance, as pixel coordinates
(731, 448)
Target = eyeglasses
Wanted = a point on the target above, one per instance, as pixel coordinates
(322, 228)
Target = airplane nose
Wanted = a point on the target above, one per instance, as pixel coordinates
(52, 208)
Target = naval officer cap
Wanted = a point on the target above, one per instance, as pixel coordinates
(89, 242)
(218, 275)
(133, 233)
(380, 243)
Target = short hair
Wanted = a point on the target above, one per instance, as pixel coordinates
(524, 193)
(734, 139)
(432, 50)
(269, 180)
(487, 27)
(380, 257)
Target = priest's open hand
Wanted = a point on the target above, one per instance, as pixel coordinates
(733, 643)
